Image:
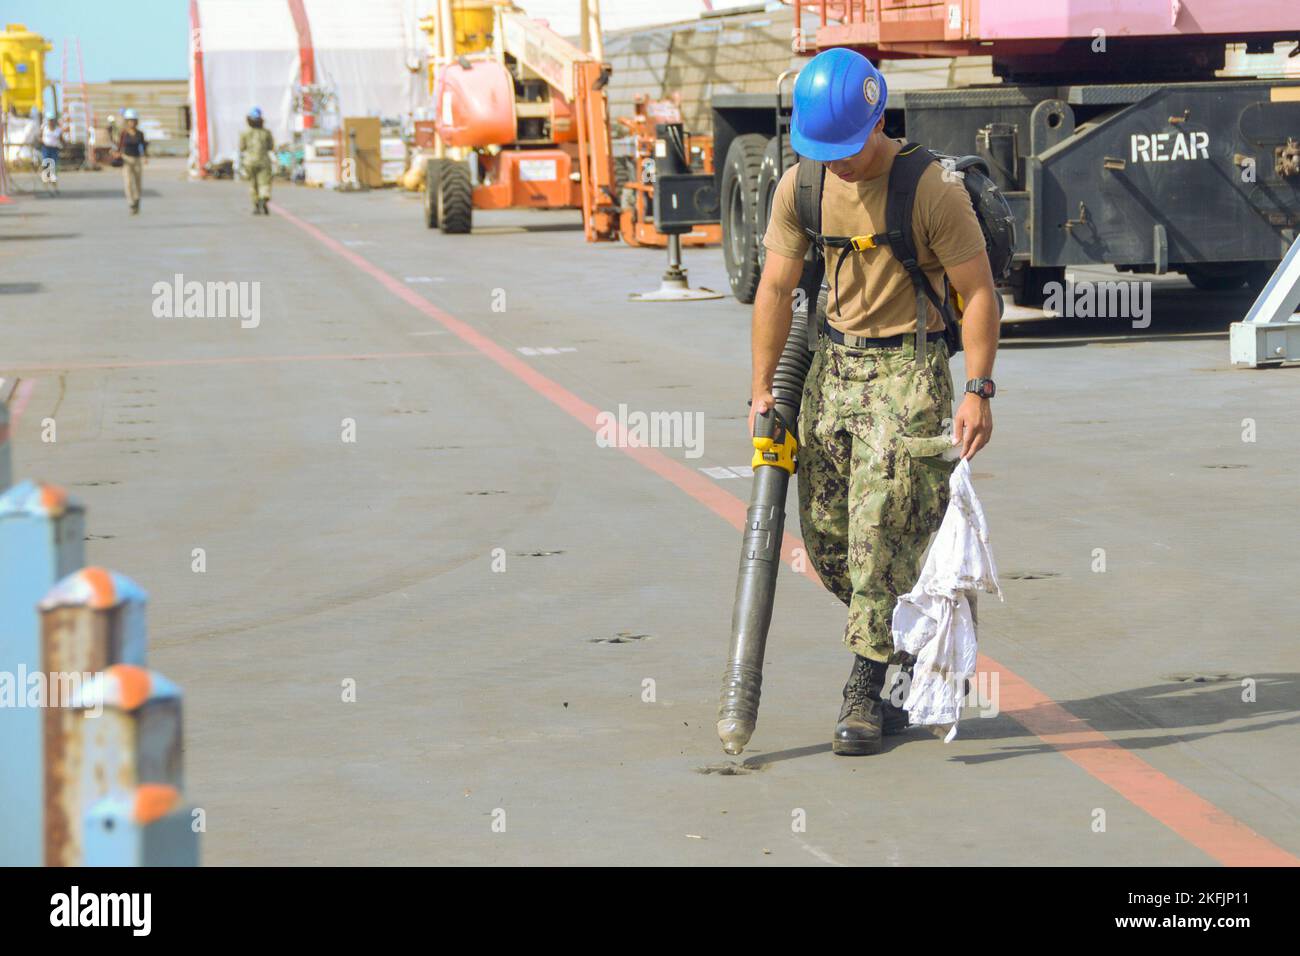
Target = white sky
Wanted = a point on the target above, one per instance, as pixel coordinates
(621, 14)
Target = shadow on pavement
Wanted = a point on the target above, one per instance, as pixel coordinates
(1182, 711)
(759, 761)
(1177, 314)
(115, 193)
(28, 236)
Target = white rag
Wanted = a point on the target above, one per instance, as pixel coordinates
(935, 621)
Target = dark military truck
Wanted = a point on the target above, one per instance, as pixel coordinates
(1194, 176)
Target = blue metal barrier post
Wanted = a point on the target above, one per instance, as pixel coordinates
(150, 827)
(41, 540)
(90, 620)
(126, 770)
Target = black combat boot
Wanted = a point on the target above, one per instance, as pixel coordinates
(896, 719)
(861, 717)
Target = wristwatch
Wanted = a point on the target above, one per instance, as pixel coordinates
(983, 387)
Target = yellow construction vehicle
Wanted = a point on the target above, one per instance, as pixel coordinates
(22, 64)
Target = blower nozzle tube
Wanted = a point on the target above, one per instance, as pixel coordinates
(775, 441)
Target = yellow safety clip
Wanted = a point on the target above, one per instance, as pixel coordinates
(862, 243)
(768, 451)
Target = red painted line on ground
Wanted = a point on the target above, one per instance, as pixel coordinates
(237, 360)
(22, 395)
(1193, 818)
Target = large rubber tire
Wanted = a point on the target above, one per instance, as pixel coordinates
(778, 151)
(432, 172)
(1258, 274)
(455, 199)
(1028, 283)
(1213, 277)
(740, 231)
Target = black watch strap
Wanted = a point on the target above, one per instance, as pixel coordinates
(983, 387)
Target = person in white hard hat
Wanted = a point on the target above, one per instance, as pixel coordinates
(133, 148)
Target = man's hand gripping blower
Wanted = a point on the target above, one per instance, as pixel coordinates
(775, 448)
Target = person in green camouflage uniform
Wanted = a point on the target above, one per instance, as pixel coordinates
(873, 486)
(874, 422)
(256, 147)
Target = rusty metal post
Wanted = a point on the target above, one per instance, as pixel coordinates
(129, 736)
(42, 532)
(148, 827)
(89, 620)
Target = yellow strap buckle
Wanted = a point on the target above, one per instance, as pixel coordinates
(862, 243)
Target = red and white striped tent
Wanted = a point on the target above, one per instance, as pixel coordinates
(246, 53)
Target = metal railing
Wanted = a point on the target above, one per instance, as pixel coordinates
(843, 11)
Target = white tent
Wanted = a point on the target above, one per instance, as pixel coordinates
(246, 53)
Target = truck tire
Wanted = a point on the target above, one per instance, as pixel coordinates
(1029, 283)
(455, 199)
(740, 239)
(777, 158)
(1258, 274)
(1214, 277)
(432, 170)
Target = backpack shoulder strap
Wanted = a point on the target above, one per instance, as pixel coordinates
(904, 178)
(810, 179)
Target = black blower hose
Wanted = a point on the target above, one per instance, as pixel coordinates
(760, 556)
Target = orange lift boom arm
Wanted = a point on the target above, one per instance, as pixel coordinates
(580, 78)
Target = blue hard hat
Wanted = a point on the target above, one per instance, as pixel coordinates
(255, 113)
(839, 98)
(129, 114)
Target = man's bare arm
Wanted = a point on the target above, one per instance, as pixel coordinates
(973, 280)
(773, 307)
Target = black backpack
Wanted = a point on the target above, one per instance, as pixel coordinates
(991, 209)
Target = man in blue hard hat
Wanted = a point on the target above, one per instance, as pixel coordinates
(877, 400)
(256, 146)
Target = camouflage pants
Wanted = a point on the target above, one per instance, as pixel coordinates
(872, 487)
(259, 180)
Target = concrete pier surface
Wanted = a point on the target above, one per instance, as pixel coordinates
(385, 452)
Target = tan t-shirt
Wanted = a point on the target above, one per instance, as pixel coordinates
(876, 298)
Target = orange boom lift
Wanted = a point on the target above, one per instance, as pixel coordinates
(521, 119)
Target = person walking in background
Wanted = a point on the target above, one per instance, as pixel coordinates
(110, 125)
(256, 146)
(133, 149)
(51, 144)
